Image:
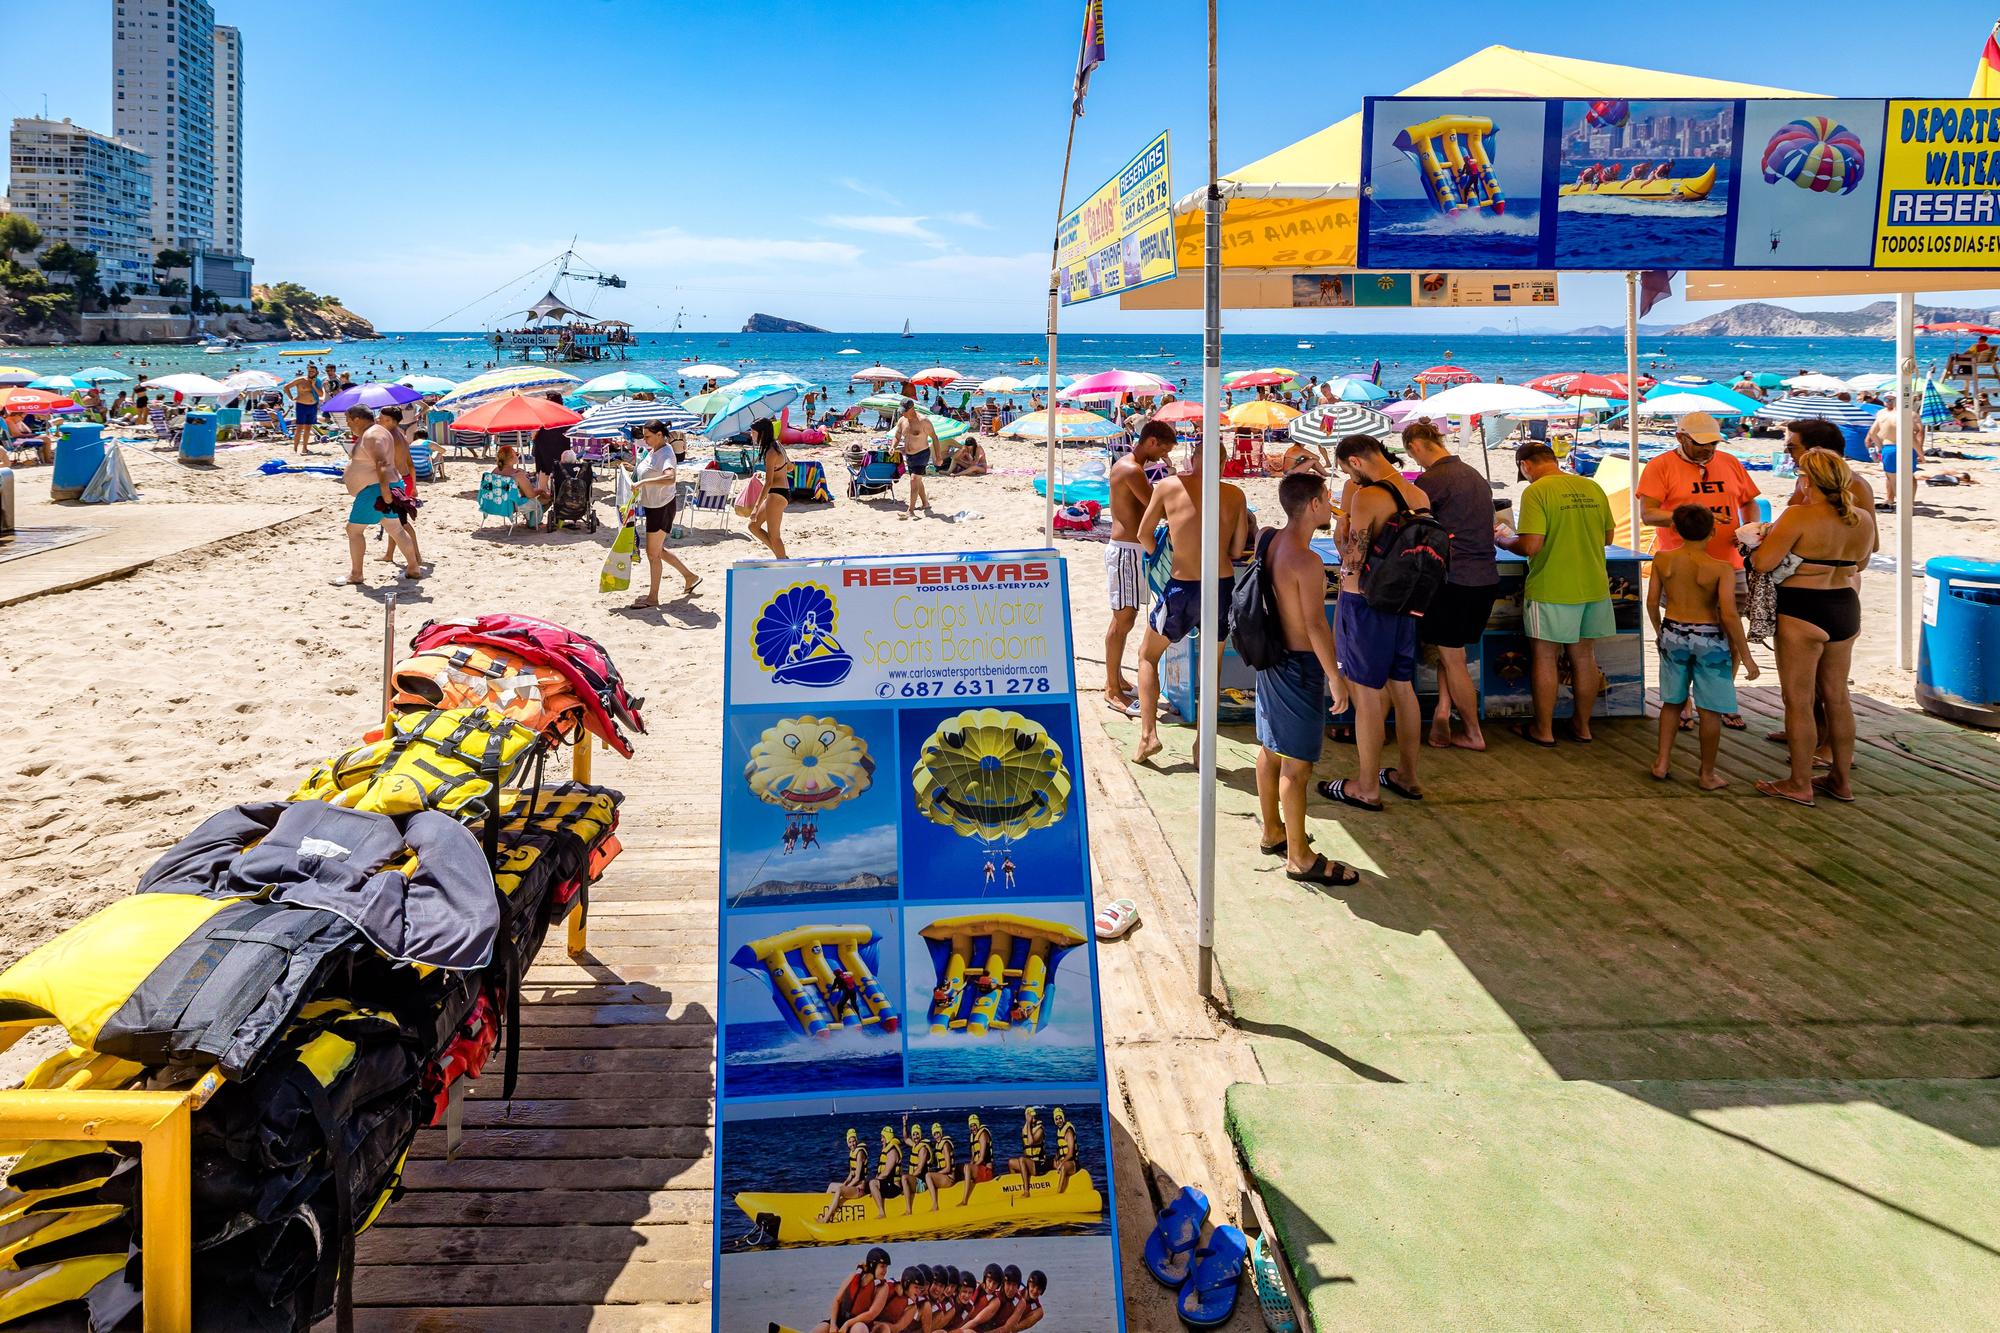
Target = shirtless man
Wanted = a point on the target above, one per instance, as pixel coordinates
(1178, 611)
(371, 471)
(1882, 436)
(918, 442)
(304, 393)
(1124, 562)
(1378, 651)
(391, 420)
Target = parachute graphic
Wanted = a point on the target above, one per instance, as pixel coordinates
(793, 638)
(806, 766)
(1815, 153)
(991, 775)
(1608, 114)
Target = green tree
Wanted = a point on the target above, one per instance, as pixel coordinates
(81, 268)
(172, 259)
(118, 297)
(174, 287)
(18, 234)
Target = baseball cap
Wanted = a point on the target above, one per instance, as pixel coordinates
(1701, 428)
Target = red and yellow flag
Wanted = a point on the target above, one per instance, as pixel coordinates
(1986, 77)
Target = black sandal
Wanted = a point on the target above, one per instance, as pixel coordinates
(1521, 729)
(1273, 848)
(1396, 785)
(1336, 790)
(1333, 874)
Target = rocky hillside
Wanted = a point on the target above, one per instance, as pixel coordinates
(772, 324)
(286, 310)
(1760, 320)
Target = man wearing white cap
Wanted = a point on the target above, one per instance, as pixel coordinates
(1698, 471)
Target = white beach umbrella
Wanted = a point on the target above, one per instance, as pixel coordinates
(1680, 404)
(1479, 398)
(191, 385)
(706, 371)
(1817, 383)
(1871, 383)
(1002, 384)
(251, 380)
(879, 375)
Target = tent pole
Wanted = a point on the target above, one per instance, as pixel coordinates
(1055, 286)
(1632, 402)
(1209, 669)
(1906, 499)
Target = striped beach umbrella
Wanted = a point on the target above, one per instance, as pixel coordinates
(626, 416)
(963, 384)
(1324, 426)
(496, 384)
(1071, 424)
(761, 402)
(1806, 407)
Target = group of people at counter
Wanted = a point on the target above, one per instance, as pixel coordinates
(1795, 579)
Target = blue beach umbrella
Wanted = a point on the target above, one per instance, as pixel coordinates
(1349, 389)
(626, 418)
(622, 381)
(99, 375)
(1742, 404)
(59, 383)
(743, 410)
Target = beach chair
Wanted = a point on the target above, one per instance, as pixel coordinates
(228, 422)
(715, 489)
(264, 422)
(740, 460)
(876, 473)
(156, 419)
(469, 443)
(499, 497)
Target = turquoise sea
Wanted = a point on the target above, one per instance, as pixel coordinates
(1178, 356)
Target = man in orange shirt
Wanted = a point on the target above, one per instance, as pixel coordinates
(1698, 471)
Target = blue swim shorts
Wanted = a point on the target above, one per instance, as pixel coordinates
(363, 511)
(1695, 659)
(1375, 647)
(1177, 610)
(1291, 707)
(305, 414)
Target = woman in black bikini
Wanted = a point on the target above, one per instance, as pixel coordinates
(769, 515)
(1824, 539)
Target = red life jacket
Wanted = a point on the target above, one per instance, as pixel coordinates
(580, 658)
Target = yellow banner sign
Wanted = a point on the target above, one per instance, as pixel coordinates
(1940, 186)
(1122, 236)
(1276, 233)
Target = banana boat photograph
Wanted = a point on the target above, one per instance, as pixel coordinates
(1644, 184)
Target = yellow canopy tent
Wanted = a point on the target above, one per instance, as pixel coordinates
(1297, 210)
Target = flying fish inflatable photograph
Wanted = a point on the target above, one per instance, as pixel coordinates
(996, 972)
(1454, 157)
(818, 997)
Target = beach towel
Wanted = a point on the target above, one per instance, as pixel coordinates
(112, 484)
(616, 576)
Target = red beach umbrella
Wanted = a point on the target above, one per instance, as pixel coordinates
(1577, 383)
(1178, 411)
(516, 412)
(1446, 374)
(34, 400)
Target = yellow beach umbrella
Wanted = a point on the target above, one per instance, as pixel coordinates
(1260, 414)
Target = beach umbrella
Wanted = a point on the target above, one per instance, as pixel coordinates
(100, 375)
(1957, 327)
(707, 404)
(773, 377)
(1115, 383)
(1583, 405)
(59, 383)
(963, 384)
(1805, 407)
(429, 384)
(515, 412)
(627, 416)
(1002, 384)
(1738, 404)
(1645, 382)
(934, 375)
(946, 428)
(502, 383)
(1817, 383)
(1871, 383)
(622, 381)
(1680, 404)
(1041, 381)
(1072, 423)
(373, 394)
(878, 375)
(706, 372)
(37, 401)
(1478, 397)
(1574, 383)
(759, 403)
(1260, 414)
(885, 402)
(1255, 379)
(848, 351)
(1351, 389)
(190, 386)
(1767, 379)
(1445, 374)
(16, 375)
(250, 381)
(1175, 412)
(1325, 425)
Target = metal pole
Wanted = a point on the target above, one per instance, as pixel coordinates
(1209, 671)
(1906, 433)
(1055, 286)
(1632, 401)
(388, 653)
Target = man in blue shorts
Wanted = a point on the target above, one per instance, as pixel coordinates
(1177, 499)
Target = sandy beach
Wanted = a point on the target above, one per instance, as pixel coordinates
(140, 705)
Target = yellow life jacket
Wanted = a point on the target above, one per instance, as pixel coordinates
(50, 1285)
(37, 1238)
(443, 759)
(463, 675)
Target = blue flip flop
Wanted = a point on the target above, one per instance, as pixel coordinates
(1175, 1237)
(1208, 1297)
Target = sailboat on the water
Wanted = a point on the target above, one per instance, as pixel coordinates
(906, 330)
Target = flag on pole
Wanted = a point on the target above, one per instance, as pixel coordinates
(1986, 77)
(1655, 286)
(1091, 54)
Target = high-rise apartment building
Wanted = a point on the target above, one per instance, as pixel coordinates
(88, 189)
(163, 103)
(228, 101)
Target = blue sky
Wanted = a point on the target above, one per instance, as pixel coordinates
(844, 164)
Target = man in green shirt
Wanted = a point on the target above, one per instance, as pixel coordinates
(1565, 524)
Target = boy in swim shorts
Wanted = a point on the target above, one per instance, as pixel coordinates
(1692, 603)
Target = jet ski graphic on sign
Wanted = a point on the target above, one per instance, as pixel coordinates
(793, 638)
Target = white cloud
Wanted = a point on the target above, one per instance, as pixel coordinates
(966, 220)
(901, 226)
(867, 191)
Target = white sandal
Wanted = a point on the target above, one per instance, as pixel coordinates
(1116, 917)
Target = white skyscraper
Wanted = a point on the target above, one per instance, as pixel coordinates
(228, 100)
(163, 90)
(82, 187)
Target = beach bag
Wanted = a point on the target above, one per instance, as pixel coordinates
(748, 498)
(1407, 560)
(1255, 630)
(616, 576)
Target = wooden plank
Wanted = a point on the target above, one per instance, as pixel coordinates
(561, 1283)
(643, 1243)
(595, 1111)
(548, 1144)
(616, 1173)
(555, 1206)
(532, 1319)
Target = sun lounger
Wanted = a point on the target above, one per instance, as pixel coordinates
(715, 489)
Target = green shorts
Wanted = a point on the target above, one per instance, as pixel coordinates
(1569, 622)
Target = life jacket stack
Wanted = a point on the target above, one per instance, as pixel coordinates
(342, 960)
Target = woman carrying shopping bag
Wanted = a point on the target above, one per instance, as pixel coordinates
(656, 493)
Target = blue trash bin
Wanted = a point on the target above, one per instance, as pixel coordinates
(1958, 653)
(79, 453)
(198, 437)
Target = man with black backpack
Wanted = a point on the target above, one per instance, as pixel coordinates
(1394, 556)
